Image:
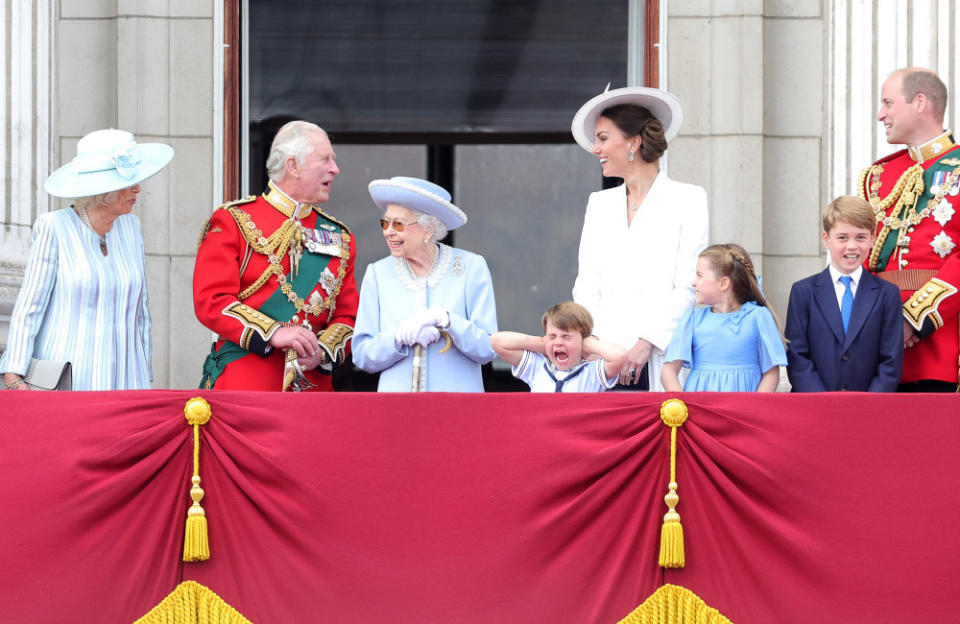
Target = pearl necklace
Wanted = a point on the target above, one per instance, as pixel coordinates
(433, 265)
(86, 221)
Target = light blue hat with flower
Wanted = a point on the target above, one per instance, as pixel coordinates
(107, 160)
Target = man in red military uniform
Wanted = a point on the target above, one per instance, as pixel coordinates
(915, 194)
(274, 276)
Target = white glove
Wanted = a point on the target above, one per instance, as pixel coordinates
(438, 317)
(406, 334)
(428, 334)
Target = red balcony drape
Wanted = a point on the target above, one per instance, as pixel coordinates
(481, 508)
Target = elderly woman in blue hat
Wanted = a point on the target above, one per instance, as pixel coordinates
(84, 295)
(425, 296)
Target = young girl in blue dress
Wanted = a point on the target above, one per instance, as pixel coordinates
(733, 343)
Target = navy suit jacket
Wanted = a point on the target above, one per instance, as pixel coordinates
(820, 357)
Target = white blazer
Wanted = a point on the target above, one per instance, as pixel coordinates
(636, 280)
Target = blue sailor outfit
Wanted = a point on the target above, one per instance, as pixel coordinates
(538, 372)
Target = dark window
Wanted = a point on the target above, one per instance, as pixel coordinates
(434, 66)
(485, 88)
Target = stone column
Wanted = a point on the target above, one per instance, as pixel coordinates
(751, 78)
(142, 65)
(25, 133)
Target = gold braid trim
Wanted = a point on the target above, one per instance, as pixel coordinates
(924, 303)
(334, 340)
(203, 232)
(274, 247)
(331, 301)
(673, 604)
(253, 320)
(903, 198)
(192, 603)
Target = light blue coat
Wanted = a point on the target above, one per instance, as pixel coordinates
(389, 294)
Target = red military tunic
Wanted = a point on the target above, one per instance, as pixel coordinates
(244, 268)
(916, 193)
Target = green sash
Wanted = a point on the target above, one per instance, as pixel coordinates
(277, 306)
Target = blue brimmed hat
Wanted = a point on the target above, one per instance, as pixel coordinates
(107, 160)
(419, 195)
(663, 105)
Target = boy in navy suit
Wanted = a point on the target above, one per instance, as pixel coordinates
(845, 325)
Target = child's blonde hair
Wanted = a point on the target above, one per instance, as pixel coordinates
(733, 262)
(569, 316)
(849, 209)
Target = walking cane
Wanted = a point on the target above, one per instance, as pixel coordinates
(416, 384)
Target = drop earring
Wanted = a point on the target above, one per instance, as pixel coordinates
(630, 158)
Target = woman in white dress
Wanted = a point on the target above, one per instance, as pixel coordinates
(423, 293)
(84, 294)
(640, 240)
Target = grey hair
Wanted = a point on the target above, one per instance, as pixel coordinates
(93, 201)
(293, 139)
(430, 222)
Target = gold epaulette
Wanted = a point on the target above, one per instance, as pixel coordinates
(924, 302)
(206, 222)
(237, 202)
(332, 219)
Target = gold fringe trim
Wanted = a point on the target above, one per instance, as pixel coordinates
(196, 544)
(192, 603)
(672, 604)
(673, 413)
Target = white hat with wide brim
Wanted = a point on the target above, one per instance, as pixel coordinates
(663, 105)
(419, 195)
(107, 160)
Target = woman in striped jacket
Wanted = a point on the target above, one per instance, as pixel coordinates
(84, 294)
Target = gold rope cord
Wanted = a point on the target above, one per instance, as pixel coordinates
(673, 604)
(192, 603)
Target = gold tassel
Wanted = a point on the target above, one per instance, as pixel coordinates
(673, 604)
(192, 603)
(196, 545)
(673, 413)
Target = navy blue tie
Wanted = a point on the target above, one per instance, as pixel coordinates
(846, 302)
(570, 376)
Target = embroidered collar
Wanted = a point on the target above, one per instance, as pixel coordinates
(284, 203)
(932, 148)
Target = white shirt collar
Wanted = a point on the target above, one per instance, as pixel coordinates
(855, 275)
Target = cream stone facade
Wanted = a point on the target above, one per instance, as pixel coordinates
(780, 100)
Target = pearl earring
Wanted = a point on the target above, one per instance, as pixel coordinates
(631, 156)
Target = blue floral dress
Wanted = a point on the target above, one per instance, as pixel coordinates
(727, 352)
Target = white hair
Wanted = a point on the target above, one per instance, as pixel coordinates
(293, 139)
(430, 222)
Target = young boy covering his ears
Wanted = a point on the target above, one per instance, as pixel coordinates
(557, 361)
